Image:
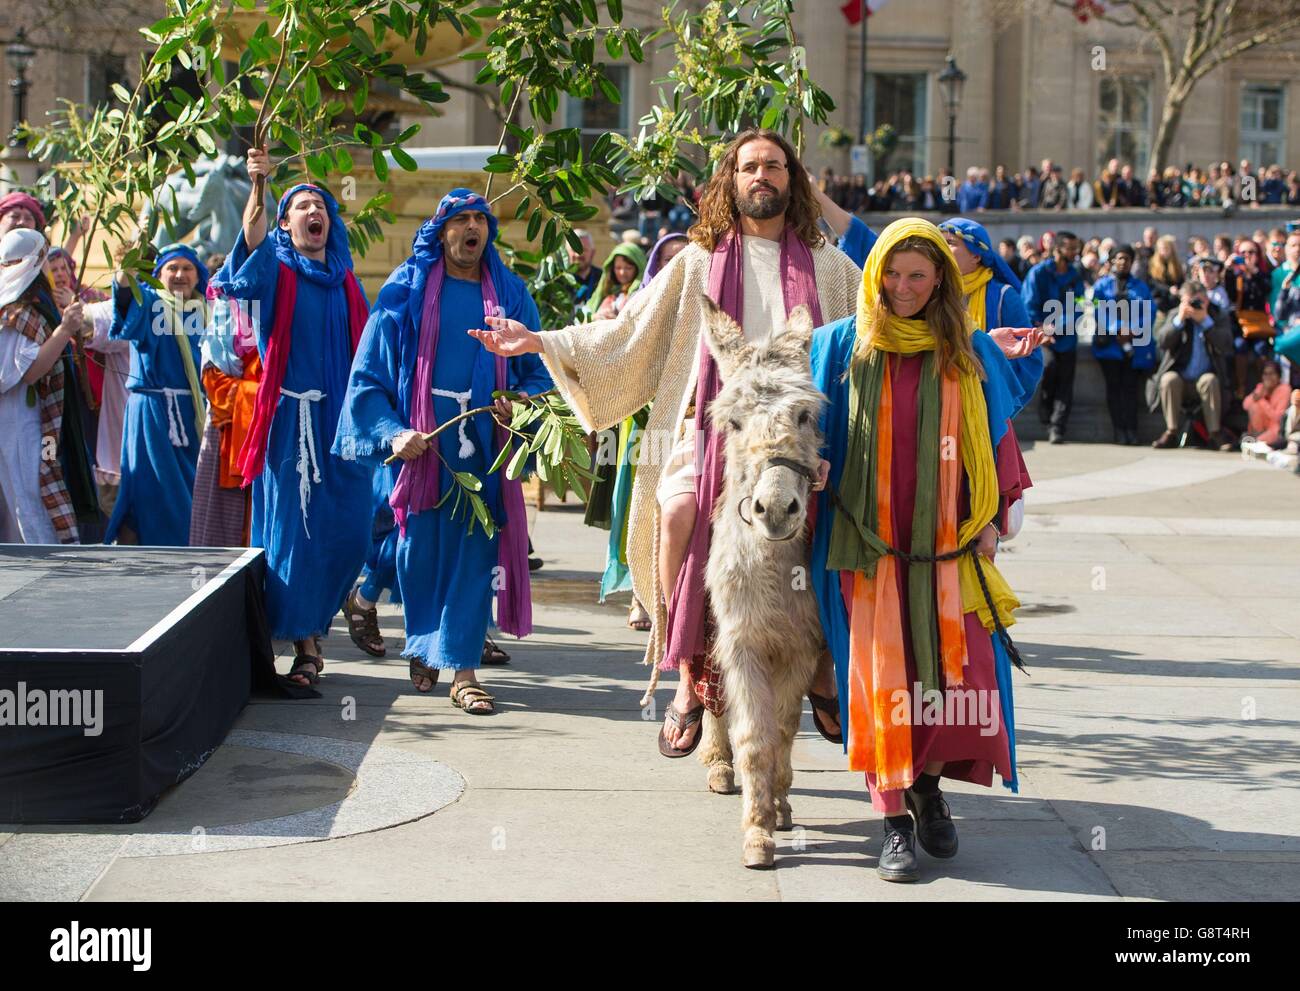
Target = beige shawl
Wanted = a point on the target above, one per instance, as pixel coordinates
(608, 369)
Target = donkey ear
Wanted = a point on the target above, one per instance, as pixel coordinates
(725, 339)
(792, 347)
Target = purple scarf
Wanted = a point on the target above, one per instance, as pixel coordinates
(688, 606)
(417, 486)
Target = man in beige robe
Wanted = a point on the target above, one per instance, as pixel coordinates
(608, 369)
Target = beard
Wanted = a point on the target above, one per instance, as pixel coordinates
(763, 203)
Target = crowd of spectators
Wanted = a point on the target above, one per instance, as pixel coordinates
(1215, 315)
(1049, 187)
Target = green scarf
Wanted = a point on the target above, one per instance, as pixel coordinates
(855, 548)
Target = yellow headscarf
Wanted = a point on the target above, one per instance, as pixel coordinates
(909, 336)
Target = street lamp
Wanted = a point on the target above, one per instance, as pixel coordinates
(951, 81)
(19, 55)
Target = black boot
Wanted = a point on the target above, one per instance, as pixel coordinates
(934, 826)
(898, 855)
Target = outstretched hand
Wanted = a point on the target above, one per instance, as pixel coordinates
(1017, 342)
(507, 337)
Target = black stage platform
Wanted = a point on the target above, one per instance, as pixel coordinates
(121, 670)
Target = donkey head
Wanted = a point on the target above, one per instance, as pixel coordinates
(768, 410)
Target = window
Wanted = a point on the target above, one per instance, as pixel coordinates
(102, 71)
(899, 99)
(1124, 122)
(596, 115)
(1262, 113)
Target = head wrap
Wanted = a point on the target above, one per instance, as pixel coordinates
(607, 286)
(22, 255)
(15, 201)
(338, 254)
(173, 251)
(979, 243)
(653, 264)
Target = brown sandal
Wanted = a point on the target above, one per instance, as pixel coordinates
(681, 721)
(420, 670)
(307, 666)
(363, 626)
(470, 696)
(827, 707)
(492, 654)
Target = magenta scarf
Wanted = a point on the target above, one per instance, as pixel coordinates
(688, 606)
(417, 488)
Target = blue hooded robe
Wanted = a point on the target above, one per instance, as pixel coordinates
(445, 576)
(160, 442)
(312, 558)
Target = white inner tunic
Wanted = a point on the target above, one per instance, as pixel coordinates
(764, 306)
(762, 318)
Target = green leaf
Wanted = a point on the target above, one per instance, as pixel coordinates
(501, 458)
(205, 142)
(468, 480)
(403, 159)
(310, 90)
(516, 466)
(121, 93)
(615, 10)
(380, 164)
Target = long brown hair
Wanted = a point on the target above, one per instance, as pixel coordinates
(718, 213)
(944, 312)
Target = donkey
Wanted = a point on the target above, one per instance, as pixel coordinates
(769, 634)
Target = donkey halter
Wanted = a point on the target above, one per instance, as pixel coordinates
(796, 467)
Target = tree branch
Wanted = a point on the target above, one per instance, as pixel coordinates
(1268, 36)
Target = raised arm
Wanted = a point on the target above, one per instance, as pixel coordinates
(259, 164)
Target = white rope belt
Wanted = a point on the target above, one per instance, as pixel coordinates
(462, 399)
(306, 448)
(175, 421)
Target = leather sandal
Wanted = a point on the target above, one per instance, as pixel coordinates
(682, 722)
(827, 707)
(420, 670)
(363, 626)
(471, 696)
(307, 666)
(492, 654)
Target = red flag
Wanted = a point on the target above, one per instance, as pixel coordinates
(854, 9)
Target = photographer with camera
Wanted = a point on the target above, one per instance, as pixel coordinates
(1195, 341)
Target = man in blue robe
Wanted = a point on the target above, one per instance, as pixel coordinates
(418, 366)
(310, 510)
(165, 411)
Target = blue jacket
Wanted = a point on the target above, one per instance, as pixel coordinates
(1137, 316)
(1046, 295)
(971, 196)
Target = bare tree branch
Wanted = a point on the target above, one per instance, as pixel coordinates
(1269, 36)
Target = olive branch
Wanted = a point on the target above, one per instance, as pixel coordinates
(557, 441)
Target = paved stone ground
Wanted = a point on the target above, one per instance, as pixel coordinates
(1159, 742)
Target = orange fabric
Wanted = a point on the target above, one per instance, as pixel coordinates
(877, 658)
(947, 581)
(232, 401)
(1266, 412)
